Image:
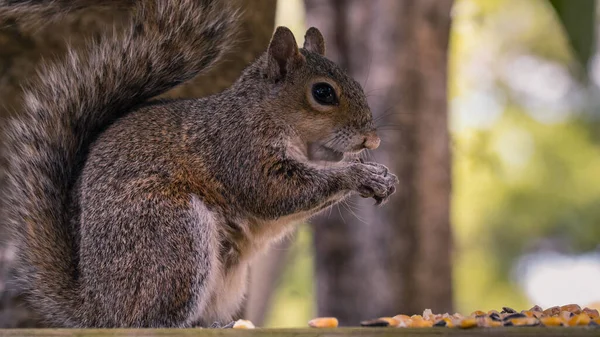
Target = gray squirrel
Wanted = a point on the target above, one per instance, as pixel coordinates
(131, 212)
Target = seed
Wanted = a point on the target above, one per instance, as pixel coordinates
(581, 319)
(552, 311)
(405, 324)
(375, 323)
(551, 321)
(494, 324)
(421, 323)
(323, 322)
(243, 324)
(449, 322)
(391, 321)
(478, 313)
(536, 308)
(435, 318)
(467, 323)
(403, 321)
(528, 313)
(483, 321)
(524, 321)
(508, 310)
(486, 322)
(512, 316)
(440, 323)
(428, 315)
(566, 315)
(494, 315)
(593, 313)
(574, 308)
(401, 317)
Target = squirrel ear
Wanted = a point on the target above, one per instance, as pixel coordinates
(314, 41)
(283, 53)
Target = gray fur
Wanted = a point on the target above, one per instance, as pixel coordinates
(131, 213)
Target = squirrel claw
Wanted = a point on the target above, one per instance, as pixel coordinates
(217, 325)
(380, 200)
(228, 325)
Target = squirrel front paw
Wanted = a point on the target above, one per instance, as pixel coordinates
(373, 180)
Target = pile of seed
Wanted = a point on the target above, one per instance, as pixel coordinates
(566, 315)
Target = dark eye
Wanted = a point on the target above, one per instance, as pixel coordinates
(324, 94)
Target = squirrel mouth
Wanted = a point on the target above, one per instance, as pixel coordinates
(320, 152)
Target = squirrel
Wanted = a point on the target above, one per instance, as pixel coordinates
(132, 212)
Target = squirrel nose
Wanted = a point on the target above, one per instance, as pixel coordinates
(371, 141)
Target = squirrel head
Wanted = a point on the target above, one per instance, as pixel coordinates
(327, 108)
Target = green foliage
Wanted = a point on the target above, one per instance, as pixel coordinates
(578, 19)
(525, 180)
(502, 211)
(293, 302)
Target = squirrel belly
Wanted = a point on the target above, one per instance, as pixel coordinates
(136, 213)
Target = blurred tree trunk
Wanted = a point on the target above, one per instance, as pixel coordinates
(22, 48)
(373, 262)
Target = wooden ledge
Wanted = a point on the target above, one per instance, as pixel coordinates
(307, 332)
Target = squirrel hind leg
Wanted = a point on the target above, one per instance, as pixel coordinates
(203, 224)
(158, 264)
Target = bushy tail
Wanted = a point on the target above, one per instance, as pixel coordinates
(167, 42)
(52, 9)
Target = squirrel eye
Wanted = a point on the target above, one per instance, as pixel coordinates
(324, 94)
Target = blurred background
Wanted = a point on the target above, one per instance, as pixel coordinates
(489, 112)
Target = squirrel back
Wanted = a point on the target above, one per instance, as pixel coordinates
(165, 44)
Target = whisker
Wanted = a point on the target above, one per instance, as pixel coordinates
(389, 112)
(375, 89)
(331, 142)
(368, 70)
(385, 113)
(337, 141)
(354, 203)
(330, 210)
(373, 95)
(340, 211)
(392, 128)
(345, 203)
